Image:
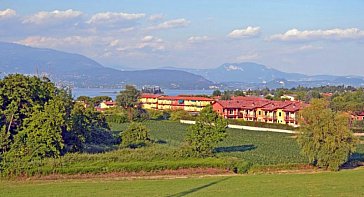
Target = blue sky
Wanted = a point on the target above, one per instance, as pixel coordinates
(312, 37)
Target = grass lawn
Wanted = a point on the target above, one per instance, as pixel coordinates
(343, 183)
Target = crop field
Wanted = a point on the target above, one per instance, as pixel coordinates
(262, 148)
(241, 151)
(258, 147)
(343, 183)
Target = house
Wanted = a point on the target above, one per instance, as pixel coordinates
(228, 108)
(181, 102)
(359, 116)
(105, 105)
(187, 103)
(149, 101)
(259, 109)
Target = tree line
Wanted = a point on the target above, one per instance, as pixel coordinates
(39, 120)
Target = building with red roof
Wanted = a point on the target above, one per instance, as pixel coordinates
(185, 102)
(259, 109)
(149, 101)
(105, 105)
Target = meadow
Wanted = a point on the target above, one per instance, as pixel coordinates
(242, 151)
(318, 184)
(257, 147)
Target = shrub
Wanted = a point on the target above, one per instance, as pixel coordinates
(180, 115)
(209, 129)
(158, 114)
(136, 135)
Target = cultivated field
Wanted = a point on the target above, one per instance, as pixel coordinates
(343, 183)
(242, 151)
(257, 147)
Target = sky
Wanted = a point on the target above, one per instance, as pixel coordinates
(310, 37)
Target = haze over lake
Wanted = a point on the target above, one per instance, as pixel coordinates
(112, 92)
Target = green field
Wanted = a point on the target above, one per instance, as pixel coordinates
(257, 147)
(343, 183)
(242, 151)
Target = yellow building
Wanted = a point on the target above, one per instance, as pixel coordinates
(187, 103)
(149, 101)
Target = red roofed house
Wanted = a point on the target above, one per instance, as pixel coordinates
(105, 105)
(187, 103)
(149, 101)
(359, 116)
(258, 109)
(228, 108)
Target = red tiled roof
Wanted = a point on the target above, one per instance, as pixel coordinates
(289, 106)
(110, 103)
(360, 113)
(188, 98)
(151, 95)
(230, 103)
(294, 106)
(248, 98)
(273, 105)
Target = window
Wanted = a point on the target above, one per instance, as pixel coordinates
(260, 113)
(231, 111)
(280, 114)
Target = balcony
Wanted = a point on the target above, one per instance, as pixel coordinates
(270, 118)
(290, 119)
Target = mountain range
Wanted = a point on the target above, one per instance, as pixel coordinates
(81, 71)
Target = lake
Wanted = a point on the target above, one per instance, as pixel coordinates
(112, 92)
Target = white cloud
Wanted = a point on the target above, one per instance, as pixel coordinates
(114, 17)
(50, 42)
(156, 17)
(308, 35)
(8, 13)
(245, 33)
(175, 23)
(198, 39)
(152, 43)
(245, 57)
(309, 47)
(129, 46)
(52, 17)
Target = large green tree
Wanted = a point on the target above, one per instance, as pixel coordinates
(20, 97)
(208, 130)
(37, 120)
(129, 100)
(325, 138)
(85, 123)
